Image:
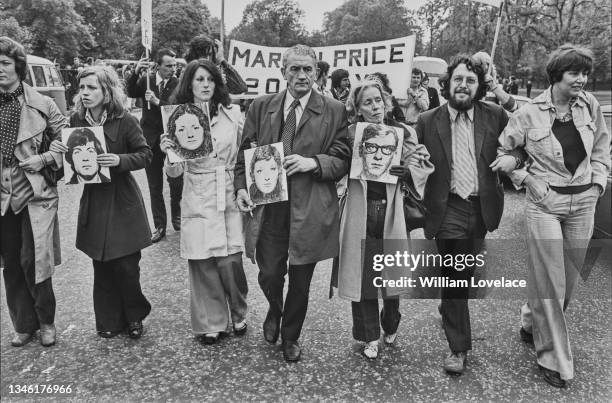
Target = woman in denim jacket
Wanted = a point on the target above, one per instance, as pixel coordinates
(565, 137)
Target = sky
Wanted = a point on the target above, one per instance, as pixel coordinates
(313, 9)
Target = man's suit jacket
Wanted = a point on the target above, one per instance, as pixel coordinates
(321, 134)
(151, 120)
(434, 131)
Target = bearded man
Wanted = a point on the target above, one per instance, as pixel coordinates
(464, 196)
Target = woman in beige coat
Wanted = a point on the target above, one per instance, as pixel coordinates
(29, 238)
(211, 225)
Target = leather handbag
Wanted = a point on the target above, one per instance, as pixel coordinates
(51, 176)
(414, 209)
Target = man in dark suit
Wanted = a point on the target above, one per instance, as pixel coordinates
(464, 196)
(161, 85)
(304, 230)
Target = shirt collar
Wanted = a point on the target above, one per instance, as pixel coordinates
(544, 100)
(159, 80)
(303, 101)
(90, 119)
(454, 112)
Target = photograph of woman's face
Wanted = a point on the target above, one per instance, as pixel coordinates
(265, 173)
(189, 132)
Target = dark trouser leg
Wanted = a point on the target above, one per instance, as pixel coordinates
(366, 326)
(42, 293)
(176, 193)
(126, 278)
(107, 299)
(155, 178)
(390, 315)
(29, 304)
(271, 254)
(296, 303)
(462, 232)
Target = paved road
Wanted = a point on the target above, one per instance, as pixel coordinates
(169, 364)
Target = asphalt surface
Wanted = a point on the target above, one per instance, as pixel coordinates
(169, 364)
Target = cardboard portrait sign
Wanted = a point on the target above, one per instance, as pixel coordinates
(266, 177)
(376, 149)
(188, 125)
(80, 161)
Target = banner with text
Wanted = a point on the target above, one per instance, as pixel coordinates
(260, 66)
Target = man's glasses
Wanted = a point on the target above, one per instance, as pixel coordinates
(469, 80)
(371, 148)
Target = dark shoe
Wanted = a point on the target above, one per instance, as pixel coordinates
(241, 329)
(135, 330)
(107, 334)
(47, 335)
(552, 377)
(271, 327)
(291, 351)
(158, 234)
(21, 339)
(526, 336)
(176, 223)
(455, 362)
(209, 338)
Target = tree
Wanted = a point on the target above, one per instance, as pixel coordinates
(57, 30)
(271, 23)
(110, 24)
(11, 28)
(176, 23)
(358, 21)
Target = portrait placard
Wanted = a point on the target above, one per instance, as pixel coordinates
(377, 147)
(80, 161)
(266, 177)
(188, 126)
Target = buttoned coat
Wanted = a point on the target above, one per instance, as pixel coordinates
(320, 134)
(211, 224)
(434, 131)
(112, 218)
(39, 113)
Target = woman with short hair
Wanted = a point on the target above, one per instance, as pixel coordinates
(29, 229)
(565, 136)
(211, 224)
(376, 213)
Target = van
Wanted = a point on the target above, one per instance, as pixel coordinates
(435, 68)
(44, 77)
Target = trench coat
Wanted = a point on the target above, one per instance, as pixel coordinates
(353, 224)
(211, 224)
(40, 113)
(112, 220)
(314, 215)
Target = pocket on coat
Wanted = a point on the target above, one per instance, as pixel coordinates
(539, 141)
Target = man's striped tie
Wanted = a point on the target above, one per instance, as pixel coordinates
(464, 166)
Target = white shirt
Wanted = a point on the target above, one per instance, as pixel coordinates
(160, 81)
(299, 110)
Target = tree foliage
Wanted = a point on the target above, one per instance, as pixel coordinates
(530, 30)
(56, 29)
(358, 21)
(271, 23)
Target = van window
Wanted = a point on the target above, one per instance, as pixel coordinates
(53, 77)
(39, 76)
(28, 78)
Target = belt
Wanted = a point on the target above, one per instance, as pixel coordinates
(571, 190)
(219, 173)
(471, 198)
(377, 201)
